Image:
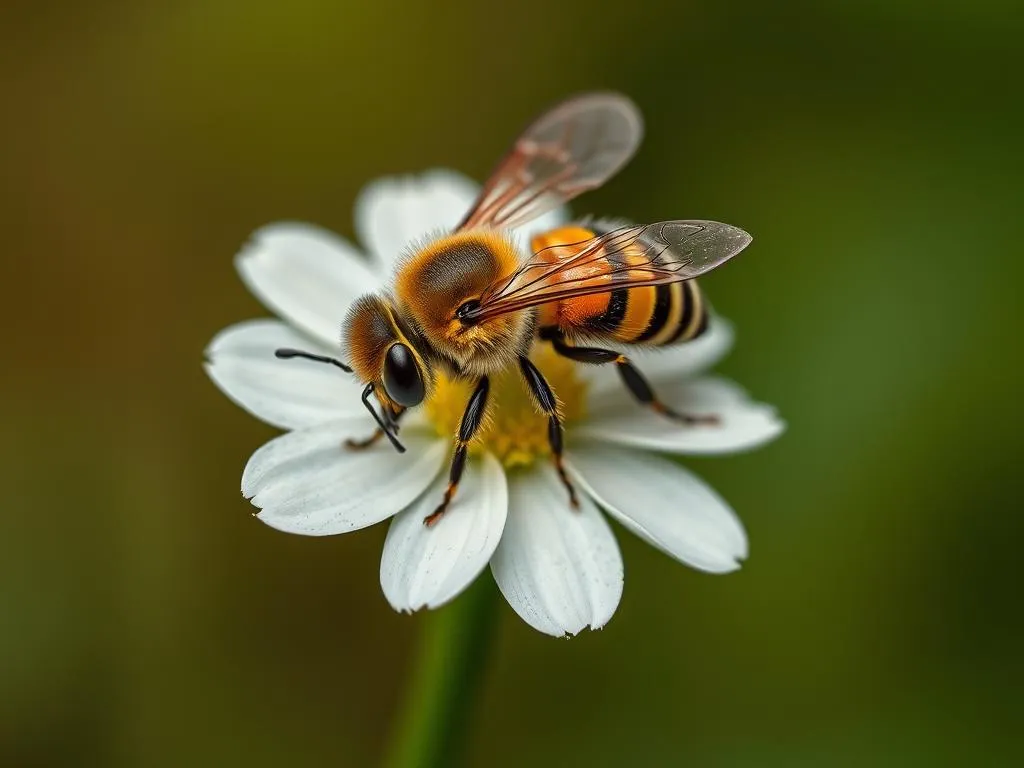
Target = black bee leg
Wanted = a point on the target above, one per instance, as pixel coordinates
(392, 420)
(635, 382)
(471, 419)
(641, 390)
(545, 398)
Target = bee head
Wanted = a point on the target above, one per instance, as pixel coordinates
(381, 355)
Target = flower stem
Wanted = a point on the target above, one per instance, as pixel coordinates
(435, 721)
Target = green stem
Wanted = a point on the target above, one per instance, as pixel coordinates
(450, 663)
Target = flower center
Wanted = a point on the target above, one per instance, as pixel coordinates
(515, 431)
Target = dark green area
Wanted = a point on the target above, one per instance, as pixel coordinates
(874, 151)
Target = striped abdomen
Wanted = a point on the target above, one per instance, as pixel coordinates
(653, 315)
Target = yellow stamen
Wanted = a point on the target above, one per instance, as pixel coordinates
(515, 431)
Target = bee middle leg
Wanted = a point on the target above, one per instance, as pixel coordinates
(635, 381)
(546, 400)
(471, 419)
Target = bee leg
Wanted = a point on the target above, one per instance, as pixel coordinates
(635, 381)
(471, 419)
(641, 390)
(358, 445)
(546, 400)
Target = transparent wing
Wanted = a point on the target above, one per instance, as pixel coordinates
(576, 146)
(655, 254)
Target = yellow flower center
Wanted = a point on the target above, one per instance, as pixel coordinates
(515, 431)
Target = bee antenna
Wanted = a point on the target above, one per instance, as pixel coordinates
(286, 354)
(385, 428)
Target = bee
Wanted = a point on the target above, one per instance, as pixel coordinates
(469, 304)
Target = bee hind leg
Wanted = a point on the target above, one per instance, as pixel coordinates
(546, 400)
(471, 419)
(635, 381)
(639, 387)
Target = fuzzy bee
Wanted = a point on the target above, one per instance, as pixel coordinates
(470, 304)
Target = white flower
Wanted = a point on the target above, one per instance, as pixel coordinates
(560, 569)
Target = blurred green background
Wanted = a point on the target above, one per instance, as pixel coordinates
(874, 150)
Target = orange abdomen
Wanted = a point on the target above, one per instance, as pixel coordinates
(652, 315)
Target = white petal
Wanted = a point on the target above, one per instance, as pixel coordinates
(307, 482)
(663, 504)
(424, 566)
(559, 568)
(290, 394)
(616, 417)
(393, 213)
(670, 364)
(307, 275)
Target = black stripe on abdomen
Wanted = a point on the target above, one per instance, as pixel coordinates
(662, 307)
(610, 320)
(686, 295)
(702, 323)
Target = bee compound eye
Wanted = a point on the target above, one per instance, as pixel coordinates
(402, 380)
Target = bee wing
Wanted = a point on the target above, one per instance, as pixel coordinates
(631, 257)
(576, 146)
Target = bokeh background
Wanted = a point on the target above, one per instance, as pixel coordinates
(873, 148)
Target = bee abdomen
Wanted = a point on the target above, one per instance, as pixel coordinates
(692, 315)
(664, 314)
(648, 315)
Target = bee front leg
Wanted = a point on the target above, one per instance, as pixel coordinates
(358, 445)
(546, 400)
(635, 381)
(471, 419)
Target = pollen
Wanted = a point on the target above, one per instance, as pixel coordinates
(515, 430)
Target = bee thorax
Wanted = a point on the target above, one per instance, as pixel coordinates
(492, 346)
